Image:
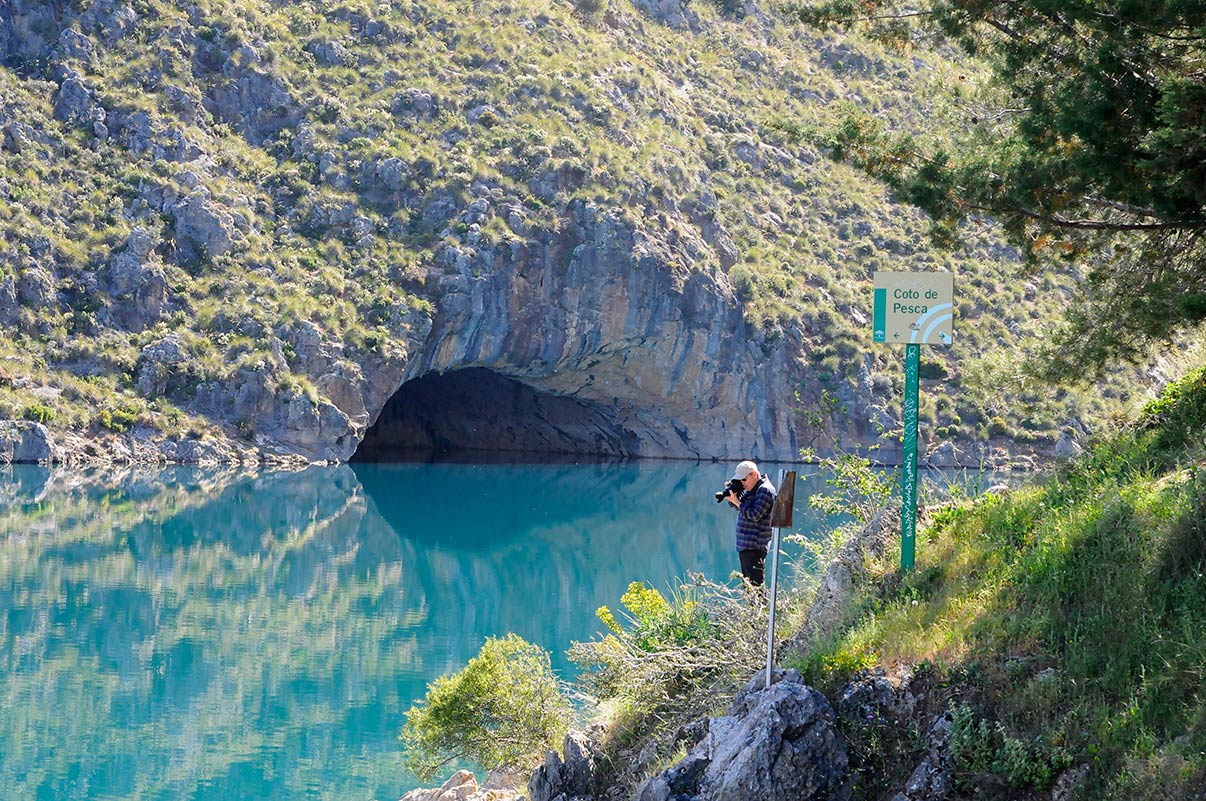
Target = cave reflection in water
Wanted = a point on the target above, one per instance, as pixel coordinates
(191, 633)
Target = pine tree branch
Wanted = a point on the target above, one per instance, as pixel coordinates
(1092, 225)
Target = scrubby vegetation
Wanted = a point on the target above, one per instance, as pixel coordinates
(298, 163)
(668, 662)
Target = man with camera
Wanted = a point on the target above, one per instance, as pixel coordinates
(753, 496)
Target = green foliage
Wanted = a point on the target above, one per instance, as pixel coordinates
(931, 370)
(1178, 416)
(1029, 764)
(860, 490)
(119, 419)
(504, 710)
(972, 743)
(655, 623)
(977, 747)
(827, 665)
(589, 6)
(1088, 144)
(38, 413)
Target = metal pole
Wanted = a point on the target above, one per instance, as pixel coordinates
(774, 580)
(908, 466)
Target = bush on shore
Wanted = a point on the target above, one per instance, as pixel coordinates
(504, 710)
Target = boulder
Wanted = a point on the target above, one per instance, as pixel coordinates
(169, 350)
(10, 305)
(1066, 446)
(75, 45)
(568, 777)
(25, 441)
(330, 53)
(158, 362)
(393, 173)
(462, 786)
(873, 696)
(138, 281)
(36, 288)
(75, 102)
(203, 229)
(776, 744)
(671, 13)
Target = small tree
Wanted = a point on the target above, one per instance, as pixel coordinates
(503, 711)
(859, 489)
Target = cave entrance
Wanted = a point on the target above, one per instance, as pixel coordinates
(475, 414)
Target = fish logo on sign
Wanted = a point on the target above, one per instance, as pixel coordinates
(929, 322)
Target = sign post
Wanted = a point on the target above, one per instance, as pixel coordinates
(914, 309)
(908, 462)
(785, 501)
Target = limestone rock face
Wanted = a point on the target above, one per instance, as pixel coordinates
(778, 744)
(203, 229)
(137, 281)
(601, 316)
(609, 325)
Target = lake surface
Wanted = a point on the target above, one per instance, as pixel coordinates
(189, 633)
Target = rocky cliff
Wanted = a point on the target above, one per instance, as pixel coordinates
(237, 230)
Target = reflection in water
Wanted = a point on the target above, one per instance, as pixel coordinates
(215, 634)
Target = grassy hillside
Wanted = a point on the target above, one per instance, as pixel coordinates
(274, 164)
(1063, 624)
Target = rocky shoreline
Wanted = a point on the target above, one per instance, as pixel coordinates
(28, 442)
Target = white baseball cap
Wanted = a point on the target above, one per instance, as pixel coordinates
(744, 469)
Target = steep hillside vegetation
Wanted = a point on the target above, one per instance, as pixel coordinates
(242, 221)
(1062, 626)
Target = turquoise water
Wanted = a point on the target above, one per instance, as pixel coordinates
(201, 634)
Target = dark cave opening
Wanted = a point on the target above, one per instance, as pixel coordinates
(476, 414)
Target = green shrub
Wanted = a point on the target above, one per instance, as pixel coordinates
(654, 622)
(503, 711)
(119, 420)
(860, 490)
(38, 413)
(931, 369)
(1029, 764)
(972, 744)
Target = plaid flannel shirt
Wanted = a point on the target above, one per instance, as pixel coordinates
(754, 515)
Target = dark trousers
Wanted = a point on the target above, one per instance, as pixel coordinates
(753, 565)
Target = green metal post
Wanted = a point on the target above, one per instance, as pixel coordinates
(908, 465)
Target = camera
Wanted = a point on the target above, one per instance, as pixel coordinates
(734, 486)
